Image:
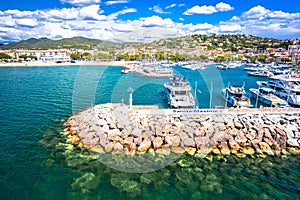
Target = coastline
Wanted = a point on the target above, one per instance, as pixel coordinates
(54, 64)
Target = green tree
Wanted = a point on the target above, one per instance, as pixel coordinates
(75, 56)
(220, 58)
(240, 57)
(5, 56)
(261, 58)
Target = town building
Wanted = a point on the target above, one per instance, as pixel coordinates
(60, 55)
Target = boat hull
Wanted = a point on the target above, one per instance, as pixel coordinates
(260, 98)
(243, 103)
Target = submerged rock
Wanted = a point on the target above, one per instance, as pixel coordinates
(86, 182)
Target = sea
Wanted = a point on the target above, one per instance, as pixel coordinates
(35, 102)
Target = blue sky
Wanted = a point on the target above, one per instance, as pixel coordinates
(137, 20)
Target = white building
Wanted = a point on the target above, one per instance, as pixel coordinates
(294, 51)
(60, 55)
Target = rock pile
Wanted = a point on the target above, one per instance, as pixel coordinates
(112, 128)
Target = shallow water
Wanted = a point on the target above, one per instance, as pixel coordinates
(36, 101)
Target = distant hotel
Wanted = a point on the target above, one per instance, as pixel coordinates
(60, 55)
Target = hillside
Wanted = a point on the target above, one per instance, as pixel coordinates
(65, 43)
(223, 42)
(208, 42)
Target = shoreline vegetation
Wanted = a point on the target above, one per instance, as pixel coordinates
(113, 128)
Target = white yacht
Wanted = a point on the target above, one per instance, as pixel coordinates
(236, 96)
(125, 71)
(266, 95)
(261, 74)
(222, 66)
(286, 87)
(178, 92)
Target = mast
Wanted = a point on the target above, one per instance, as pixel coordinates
(130, 90)
(211, 86)
(256, 101)
(226, 94)
(195, 96)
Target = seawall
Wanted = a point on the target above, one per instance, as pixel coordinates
(114, 128)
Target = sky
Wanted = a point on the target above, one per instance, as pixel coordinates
(147, 20)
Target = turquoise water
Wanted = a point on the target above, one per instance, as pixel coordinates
(36, 101)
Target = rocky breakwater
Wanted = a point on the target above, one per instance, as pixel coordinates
(112, 128)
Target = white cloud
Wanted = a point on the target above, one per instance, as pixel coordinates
(197, 28)
(122, 12)
(234, 18)
(80, 2)
(223, 7)
(156, 21)
(116, 2)
(171, 6)
(65, 14)
(230, 28)
(256, 12)
(90, 12)
(90, 21)
(27, 22)
(220, 7)
(7, 21)
(203, 26)
(158, 10)
(200, 10)
(122, 27)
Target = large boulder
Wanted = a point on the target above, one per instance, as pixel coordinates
(189, 142)
(136, 132)
(118, 148)
(234, 146)
(292, 142)
(172, 140)
(251, 134)
(265, 148)
(224, 148)
(144, 146)
(190, 150)
(248, 150)
(103, 139)
(109, 147)
(238, 125)
(240, 138)
(147, 134)
(201, 142)
(157, 142)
